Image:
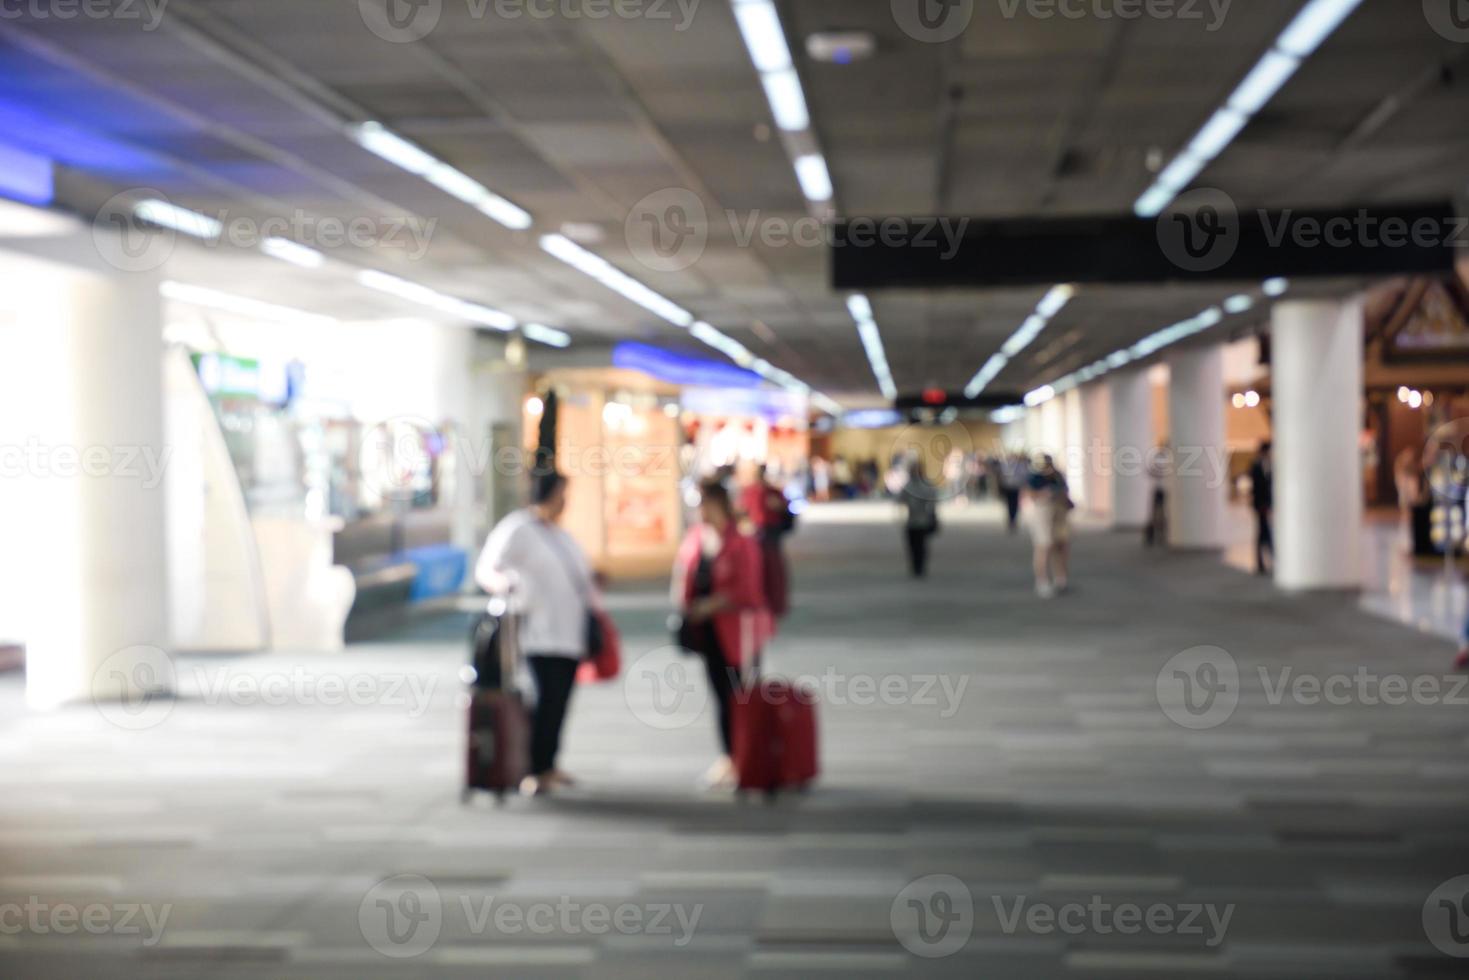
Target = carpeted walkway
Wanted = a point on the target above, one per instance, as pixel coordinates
(1012, 788)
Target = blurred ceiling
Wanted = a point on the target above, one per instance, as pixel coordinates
(241, 106)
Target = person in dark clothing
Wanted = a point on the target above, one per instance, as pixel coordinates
(921, 500)
(1262, 499)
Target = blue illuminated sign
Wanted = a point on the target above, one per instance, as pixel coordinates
(681, 369)
(26, 176)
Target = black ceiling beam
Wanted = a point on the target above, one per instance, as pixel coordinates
(1207, 244)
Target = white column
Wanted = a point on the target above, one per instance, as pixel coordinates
(1072, 461)
(1034, 437)
(1196, 492)
(1130, 397)
(1316, 386)
(82, 515)
(1053, 430)
(1095, 442)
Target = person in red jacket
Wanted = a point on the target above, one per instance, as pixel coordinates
(765, 507)
(718, 585)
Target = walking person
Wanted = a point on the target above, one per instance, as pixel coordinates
(718, 588)
(1262, 499)
(1013, 474)
(551, 586)
(1049, 500)
(921, 523)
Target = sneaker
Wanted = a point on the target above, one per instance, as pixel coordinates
(1045, 590)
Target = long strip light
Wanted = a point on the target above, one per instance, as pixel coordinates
(543, 334)
(292, 252)
(1051, 304)
(615, 279)
(383, 142)
(168, 215)
(760, 26)
(625, 285)
(1155, 342)
(415, 293)
(1313, 25)
(861, 309)
(214, 299)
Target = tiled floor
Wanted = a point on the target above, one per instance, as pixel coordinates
(1012, 788)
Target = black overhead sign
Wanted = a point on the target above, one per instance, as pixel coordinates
(1201, 238)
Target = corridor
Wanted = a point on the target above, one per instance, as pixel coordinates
(1011, 788)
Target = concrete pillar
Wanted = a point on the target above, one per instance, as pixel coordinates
(1072, 460)
(1130, 405)
(1096, 453)
(1053, 430)
(82, 514)
(1196, 493)
(1316, 386)
(1033, 434)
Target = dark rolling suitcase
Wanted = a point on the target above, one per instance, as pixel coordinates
(498, 749)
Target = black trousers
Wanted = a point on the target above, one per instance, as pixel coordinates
(555, 680)
(1264, 541)
(1012, 506)
(918, 551)
(724, 680)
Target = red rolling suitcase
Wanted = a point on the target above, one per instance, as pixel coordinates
(774, 734)
(498, 750)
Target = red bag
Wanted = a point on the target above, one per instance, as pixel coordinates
(605, 663)
(774, 733)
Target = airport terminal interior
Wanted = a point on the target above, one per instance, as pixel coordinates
(734, 488)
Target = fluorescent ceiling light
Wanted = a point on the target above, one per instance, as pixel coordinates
(1217, 133)
(542, 334)
(433, 299)
(1052, 303)
(787, 101)
(1055, 300)
(1040, 396)
(1263, 81)
(861, 309)
(167, 215)
(1276, 286)
(615, 279)
(1238, 304)
(253, 309)
(292, 252)
(1313, 25)
(814, 177)
(760, 27)
(1298, 41)
(378, 139)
